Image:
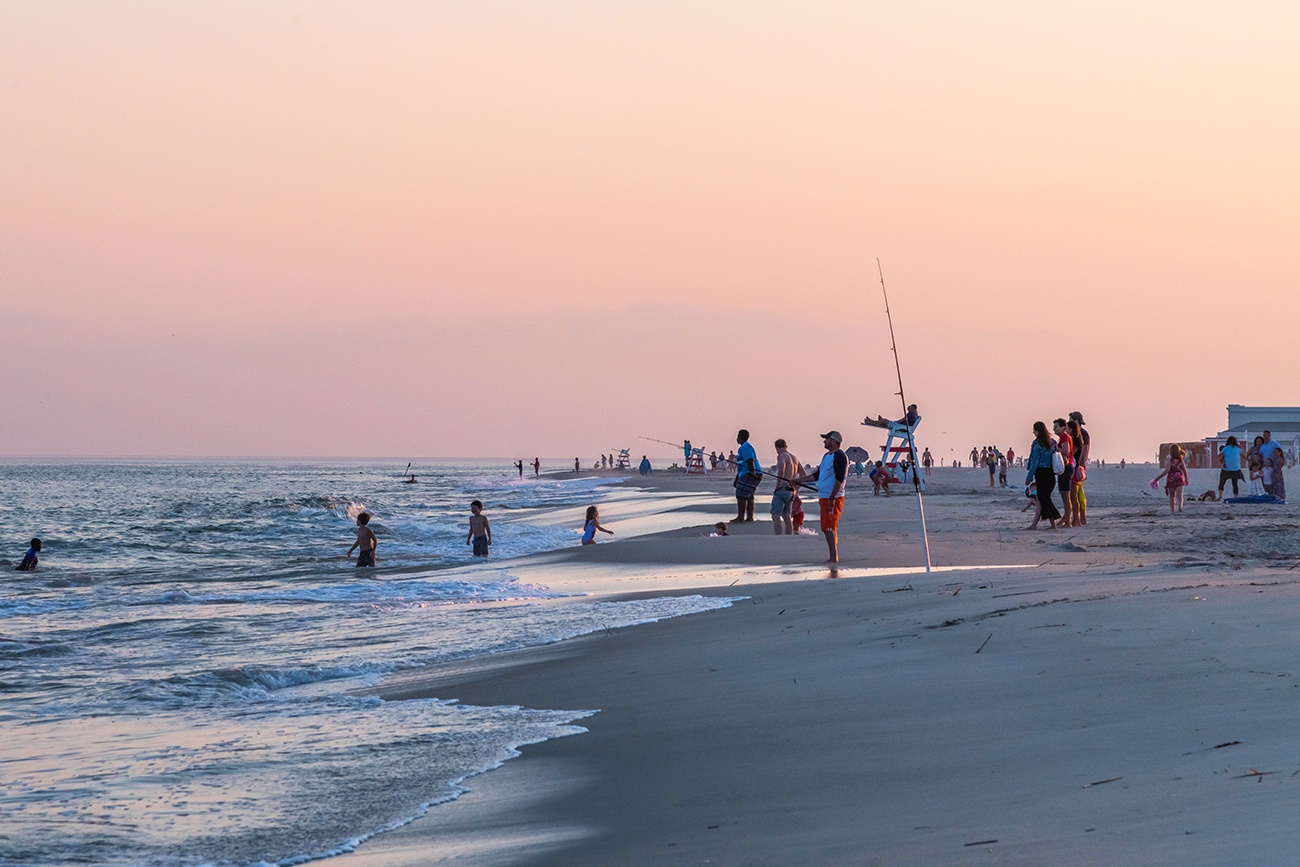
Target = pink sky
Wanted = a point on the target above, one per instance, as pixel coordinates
(479, 228)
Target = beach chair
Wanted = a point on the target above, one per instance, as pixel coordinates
(899, 446)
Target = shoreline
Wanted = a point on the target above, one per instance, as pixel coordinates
(1060, 710)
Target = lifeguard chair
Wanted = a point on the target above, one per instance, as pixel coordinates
(695, 463)
(624, 459)
(900, 446)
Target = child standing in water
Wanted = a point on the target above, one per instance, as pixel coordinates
(366, 541)
(592, 525)
(1177, 478)
(480, 531)
(31, 558)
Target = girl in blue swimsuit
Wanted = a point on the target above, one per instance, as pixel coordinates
(593, 524)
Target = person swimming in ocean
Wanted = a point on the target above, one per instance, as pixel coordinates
(31, 558)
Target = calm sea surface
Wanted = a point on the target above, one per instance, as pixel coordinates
(178, 679)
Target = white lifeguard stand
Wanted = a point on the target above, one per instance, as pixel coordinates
(695, 463)
(899, 446)
(624, 459)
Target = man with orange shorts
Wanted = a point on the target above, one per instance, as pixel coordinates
(830, 477)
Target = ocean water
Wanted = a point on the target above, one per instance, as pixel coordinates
(182, 682)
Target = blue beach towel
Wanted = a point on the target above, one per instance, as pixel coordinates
(1257, 498)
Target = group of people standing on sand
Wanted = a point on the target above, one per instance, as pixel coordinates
(829, 478)
(1059, 462)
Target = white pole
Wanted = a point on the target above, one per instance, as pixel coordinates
(911, 436)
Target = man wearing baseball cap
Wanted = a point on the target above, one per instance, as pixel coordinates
(830, 477)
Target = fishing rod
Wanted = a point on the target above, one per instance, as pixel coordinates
(665, 442)
(735, 464)
(907, 419)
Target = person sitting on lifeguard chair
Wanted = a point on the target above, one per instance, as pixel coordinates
(908, 421)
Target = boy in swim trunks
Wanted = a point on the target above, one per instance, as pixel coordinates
(480, 531)
(366, 541)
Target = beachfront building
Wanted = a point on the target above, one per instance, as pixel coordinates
(1248, 422)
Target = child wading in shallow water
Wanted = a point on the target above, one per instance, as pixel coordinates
(592, 525)
(1177, 478)
(366, 541)
(480, 531)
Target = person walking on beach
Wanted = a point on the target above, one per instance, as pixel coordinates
(927, 461)
(991, 464)
(830, 477)
(480, 531)
(31, 558)
(645, 466)
(787, 470)
(366, 541)
(1175, 476)
(1083, 454)
(1230, 460)
(1039, 473)
(748, 474)
(1080, 474)
(592, 525)
(1065, 481)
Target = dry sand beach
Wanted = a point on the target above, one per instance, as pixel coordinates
(1123, 693)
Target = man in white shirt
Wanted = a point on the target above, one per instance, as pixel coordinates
(830, 477)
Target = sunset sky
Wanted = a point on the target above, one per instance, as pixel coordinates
(497, 229)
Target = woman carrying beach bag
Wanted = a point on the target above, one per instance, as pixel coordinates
(1039, 471)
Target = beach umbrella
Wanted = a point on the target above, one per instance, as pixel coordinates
(857, 453)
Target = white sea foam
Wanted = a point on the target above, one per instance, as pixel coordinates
(178, 665)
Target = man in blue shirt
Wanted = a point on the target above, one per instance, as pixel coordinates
(749, 472)
(1267, 447)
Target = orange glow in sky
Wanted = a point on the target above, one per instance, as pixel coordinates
(489, 228)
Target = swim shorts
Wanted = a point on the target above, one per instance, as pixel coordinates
(1065, 479)
(746, 485)
(783, 502)
(365, 558)
(480, 546)
(830, 513)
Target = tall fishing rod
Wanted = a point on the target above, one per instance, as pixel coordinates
(907, 419)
